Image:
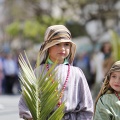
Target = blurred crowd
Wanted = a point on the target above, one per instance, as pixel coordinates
(94, 65)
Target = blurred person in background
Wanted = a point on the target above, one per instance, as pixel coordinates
(1, 75)
(1, 78)
(82, 61)
(11, 73)
(108, 58)
(101, 63)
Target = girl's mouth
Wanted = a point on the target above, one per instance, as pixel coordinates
(116, 85)
(61, 53)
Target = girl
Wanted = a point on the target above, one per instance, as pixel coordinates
(58, 46)
(107, 106)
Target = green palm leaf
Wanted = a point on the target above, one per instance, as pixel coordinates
(41, 95)
(116, 45)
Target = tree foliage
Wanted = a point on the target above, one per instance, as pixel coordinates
(13, 29)
(80, 12)
(32, 29)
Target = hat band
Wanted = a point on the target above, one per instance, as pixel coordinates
(65, 38)
(58, 35)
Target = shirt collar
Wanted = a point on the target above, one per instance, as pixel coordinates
(51, 62)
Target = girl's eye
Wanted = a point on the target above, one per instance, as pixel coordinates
(67, 44)
(57, 44)
(113, 76)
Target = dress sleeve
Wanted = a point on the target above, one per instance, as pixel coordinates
(23, 109)
(85, 107)
(102, 112)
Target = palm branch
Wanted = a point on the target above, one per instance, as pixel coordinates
(115, 45)
(40, 93)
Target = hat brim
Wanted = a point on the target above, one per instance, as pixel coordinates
(54, 42)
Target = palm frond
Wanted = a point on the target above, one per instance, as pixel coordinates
(40, 94)
(115, 45)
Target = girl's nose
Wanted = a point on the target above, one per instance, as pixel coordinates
(62, 47)
(117, 80)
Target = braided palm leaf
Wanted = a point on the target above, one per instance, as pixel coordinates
(40, 93)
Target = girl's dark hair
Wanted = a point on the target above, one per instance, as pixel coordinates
(103, 46)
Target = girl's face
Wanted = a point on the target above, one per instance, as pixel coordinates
(59, 52)
(107, 48)
(115, 81)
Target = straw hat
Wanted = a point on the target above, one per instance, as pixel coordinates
(54, 35)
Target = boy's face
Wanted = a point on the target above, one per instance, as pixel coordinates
(115, 81)
(59, 52)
